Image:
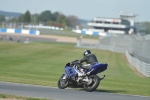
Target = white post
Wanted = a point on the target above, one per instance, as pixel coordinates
(29, 26)
(10, 25)
(14, 25)
(22, 26)
(3, 25)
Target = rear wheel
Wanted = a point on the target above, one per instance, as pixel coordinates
(63, 83)
(93, 83)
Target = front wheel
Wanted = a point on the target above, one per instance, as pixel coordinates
(93, 83)
(63, 83)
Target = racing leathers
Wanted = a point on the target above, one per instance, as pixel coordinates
(90, 60)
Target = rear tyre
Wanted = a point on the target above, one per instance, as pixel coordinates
(62, 83)
(93, 83)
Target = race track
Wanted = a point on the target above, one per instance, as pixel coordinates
(36, 38)
(61, 94)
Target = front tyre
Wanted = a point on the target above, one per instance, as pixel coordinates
(62, 83)
(93, 83)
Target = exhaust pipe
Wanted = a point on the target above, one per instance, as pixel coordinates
(102, 77)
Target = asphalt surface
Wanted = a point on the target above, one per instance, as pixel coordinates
(35, 38)
(61, 94)
(24, 38)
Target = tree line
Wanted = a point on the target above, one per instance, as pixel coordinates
(147, 26)
(46, 18)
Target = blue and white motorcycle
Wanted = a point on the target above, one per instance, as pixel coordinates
(77, 77)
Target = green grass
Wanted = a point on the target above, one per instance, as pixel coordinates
(69, 33)
(43, 64)
(14, 97)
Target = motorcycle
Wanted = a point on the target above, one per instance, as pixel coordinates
(77, 77)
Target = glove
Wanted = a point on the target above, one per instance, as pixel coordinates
(71, 63)
(79, 61)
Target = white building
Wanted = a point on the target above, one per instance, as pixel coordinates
(108, 26)
(122, 25)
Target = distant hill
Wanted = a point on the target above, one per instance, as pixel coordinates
(10, 14)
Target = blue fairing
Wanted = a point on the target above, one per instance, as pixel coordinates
(99, 67)
(70, 71)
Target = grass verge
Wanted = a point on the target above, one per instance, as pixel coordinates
(14, 97)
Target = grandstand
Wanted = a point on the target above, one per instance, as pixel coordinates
(122, 25)
(109, 26)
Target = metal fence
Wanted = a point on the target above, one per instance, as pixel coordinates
(13, 25)
(107, 43)
(138, 47)
(142, 67)
(19, 25)
(141, 50)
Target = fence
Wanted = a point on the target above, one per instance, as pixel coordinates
(142, 67)
(137, 46)
(88, 43)
(141, 50)
(27, 26)
(91, 43)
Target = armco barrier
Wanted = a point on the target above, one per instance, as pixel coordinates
(20, 31)
(43, 27)
(3, 30)
(142, 67)
(91, 32)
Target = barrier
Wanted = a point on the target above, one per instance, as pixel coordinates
(3, 30)
(142, 67)
(20, 31)
(91, 32)
(43, 27)
(95, 43)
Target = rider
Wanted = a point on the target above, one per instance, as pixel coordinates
(89, 58)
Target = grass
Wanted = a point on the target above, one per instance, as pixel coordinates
(14, 97)
(68, 33)
(43, 64)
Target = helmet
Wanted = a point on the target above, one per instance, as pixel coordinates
(86, 52)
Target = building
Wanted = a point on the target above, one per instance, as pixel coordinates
(108, 26)
(122, 25)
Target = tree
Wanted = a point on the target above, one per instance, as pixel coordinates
(27, 17)
(147, 25)
(14, 19)
(45, 16)
(62, 19)
(73, 21)
(34, 18)
(2, 18)
(20, 18)
(55, 15)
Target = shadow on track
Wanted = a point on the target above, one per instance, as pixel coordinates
(110, 91)
(103, 90)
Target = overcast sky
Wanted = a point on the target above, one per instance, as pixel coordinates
(83, 9)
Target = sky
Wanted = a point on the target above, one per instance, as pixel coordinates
(83, 9)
